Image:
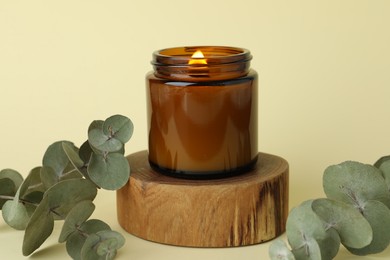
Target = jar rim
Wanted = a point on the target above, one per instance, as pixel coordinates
(215, 55)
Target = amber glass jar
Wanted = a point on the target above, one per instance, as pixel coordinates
(202, 111)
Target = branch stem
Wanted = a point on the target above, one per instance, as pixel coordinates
(5, 197)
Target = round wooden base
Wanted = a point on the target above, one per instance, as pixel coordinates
(242, 210)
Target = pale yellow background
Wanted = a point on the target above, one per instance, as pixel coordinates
(324, 70)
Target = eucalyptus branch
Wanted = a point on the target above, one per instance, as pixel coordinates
(98, 163)
(356, 213)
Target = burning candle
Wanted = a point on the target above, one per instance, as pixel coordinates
(202, 111)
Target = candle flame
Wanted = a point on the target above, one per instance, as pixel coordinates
(197, 58)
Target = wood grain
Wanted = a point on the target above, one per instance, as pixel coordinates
(242, 210)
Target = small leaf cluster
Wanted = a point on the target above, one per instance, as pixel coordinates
(355, 213)
(64, 188)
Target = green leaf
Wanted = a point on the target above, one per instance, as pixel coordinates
(74, 174)
(48, 177)
(310, 250)
(88, 251)
(15, 213)
(7, 189)
(78, 215)
(102, 245)
(12, 175)
(107, 248)
(302, 225)
(384, 167)
(381, 160)
(109, 136)
(118, 127)
(76, 240)
(100, 141)
(74, 158)
(10, 180)
(355, 183)
(96, 124)
(38, 229)
(278, 250)
(85, 152)
(378, 215)
(56, 158)
(73, 155)
(353, 228)
(63, 196)
(108, 235)
(110, 172)
(34, 197)
(32, 184)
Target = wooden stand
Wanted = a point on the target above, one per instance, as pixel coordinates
(242, 210)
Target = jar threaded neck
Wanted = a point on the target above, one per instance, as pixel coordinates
(221, 63)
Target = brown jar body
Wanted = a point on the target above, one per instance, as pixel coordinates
(203, 127)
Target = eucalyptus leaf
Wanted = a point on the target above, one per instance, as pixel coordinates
(88, 251)
(381, 160)
(73, 174)
(353, 228)
(102, 142)
(302, 225)
(278, 250)
(78, 215)
(74, 243)
(109, 171)
(118, 127)
(76, 240)
(385, 169)
(310, 250)
(355, 183)
(33, 197)
(12, 175)
(96, 124)
(56, 158)
(73, 155)
(94, 226)
(7, 189)
(98, 140)
(15, 213)
(74, 158)
(85, 152)
(102, 245)
(10, 180)
(63, 196)
(39, 228)
(108, 235)
(378, 215)
(122, 150)
(32, 184)
(108, 248)
(48, 177)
